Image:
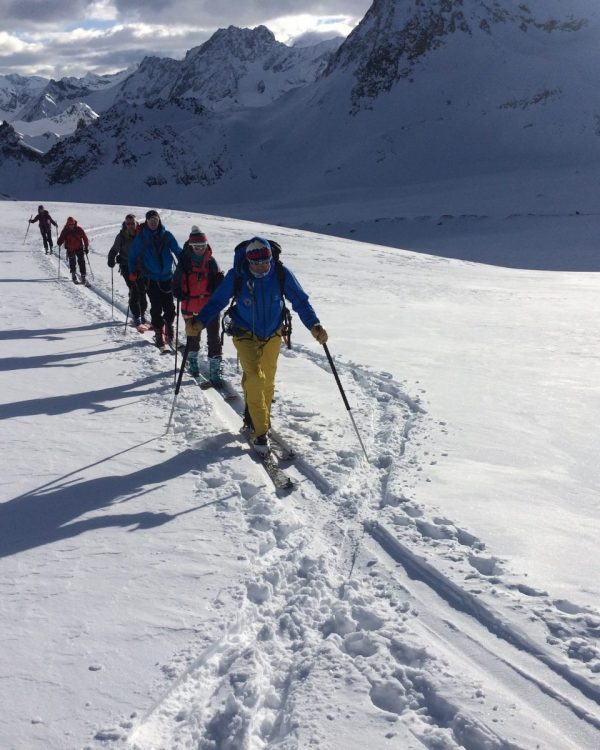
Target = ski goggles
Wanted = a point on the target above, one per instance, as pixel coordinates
(201, 246)
(259, 256)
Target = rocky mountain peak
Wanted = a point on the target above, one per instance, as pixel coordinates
(394, 37)
(243, 44)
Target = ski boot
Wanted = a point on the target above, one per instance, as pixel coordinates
(215, 372)
(159, 338)
(137, 321)
(74, 278)
(261, 445)
(192, 363)
(169, 333)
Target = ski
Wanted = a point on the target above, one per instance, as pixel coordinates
(143, 327)
(283, 448)
(277, 475)
(280, 479)
(226, 392)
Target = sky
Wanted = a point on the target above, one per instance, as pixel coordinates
(56, 38)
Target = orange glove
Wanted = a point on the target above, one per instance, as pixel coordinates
(319, 333)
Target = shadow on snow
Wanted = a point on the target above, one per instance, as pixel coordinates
(48, 514)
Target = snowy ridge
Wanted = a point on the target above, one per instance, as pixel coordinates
(303, 629)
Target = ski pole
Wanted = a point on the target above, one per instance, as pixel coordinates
(58, 261)
(176, 337)
(28, 225)
(347, 405)
(90, 265)
(112, 294)
(127, 317)
(178, 385)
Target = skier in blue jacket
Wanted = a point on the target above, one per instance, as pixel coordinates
(256, 322)
(151, 257)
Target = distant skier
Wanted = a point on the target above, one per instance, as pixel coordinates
(196, 277)
(45, 224)
(119, 253)
(151, 257)
(256, 322)
(77, 246)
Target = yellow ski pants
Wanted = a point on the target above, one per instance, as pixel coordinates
(259, 365)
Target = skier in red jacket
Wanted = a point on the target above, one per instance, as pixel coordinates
(76, 244)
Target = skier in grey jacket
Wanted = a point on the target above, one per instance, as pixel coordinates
(119, 253)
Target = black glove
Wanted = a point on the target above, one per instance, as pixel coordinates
(87, 250)
(111, 262)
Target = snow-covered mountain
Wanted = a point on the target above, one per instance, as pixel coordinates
(57, 96)
(402, 40)
(422, 90)
(44, 133)
(16, 91)
(235, 68)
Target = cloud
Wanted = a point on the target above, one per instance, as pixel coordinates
(236, 12)
(30, 14)
(73, 37)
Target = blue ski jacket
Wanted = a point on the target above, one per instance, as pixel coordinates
(259, 305)
(150, 253)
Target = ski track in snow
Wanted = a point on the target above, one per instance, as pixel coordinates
(306, 618)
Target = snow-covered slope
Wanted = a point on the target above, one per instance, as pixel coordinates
(157, 593)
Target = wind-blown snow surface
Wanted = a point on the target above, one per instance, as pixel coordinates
(157, 593)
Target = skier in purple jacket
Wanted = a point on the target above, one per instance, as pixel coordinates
(45, 224)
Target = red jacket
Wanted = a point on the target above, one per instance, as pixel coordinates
(193, 283)
(73, 238)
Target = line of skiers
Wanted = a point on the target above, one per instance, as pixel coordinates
(72, 237)
(255, 288)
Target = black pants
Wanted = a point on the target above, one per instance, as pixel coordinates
(213, 339)
(78, 255)
(162, 307)
(46, 233)
(138, 302)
